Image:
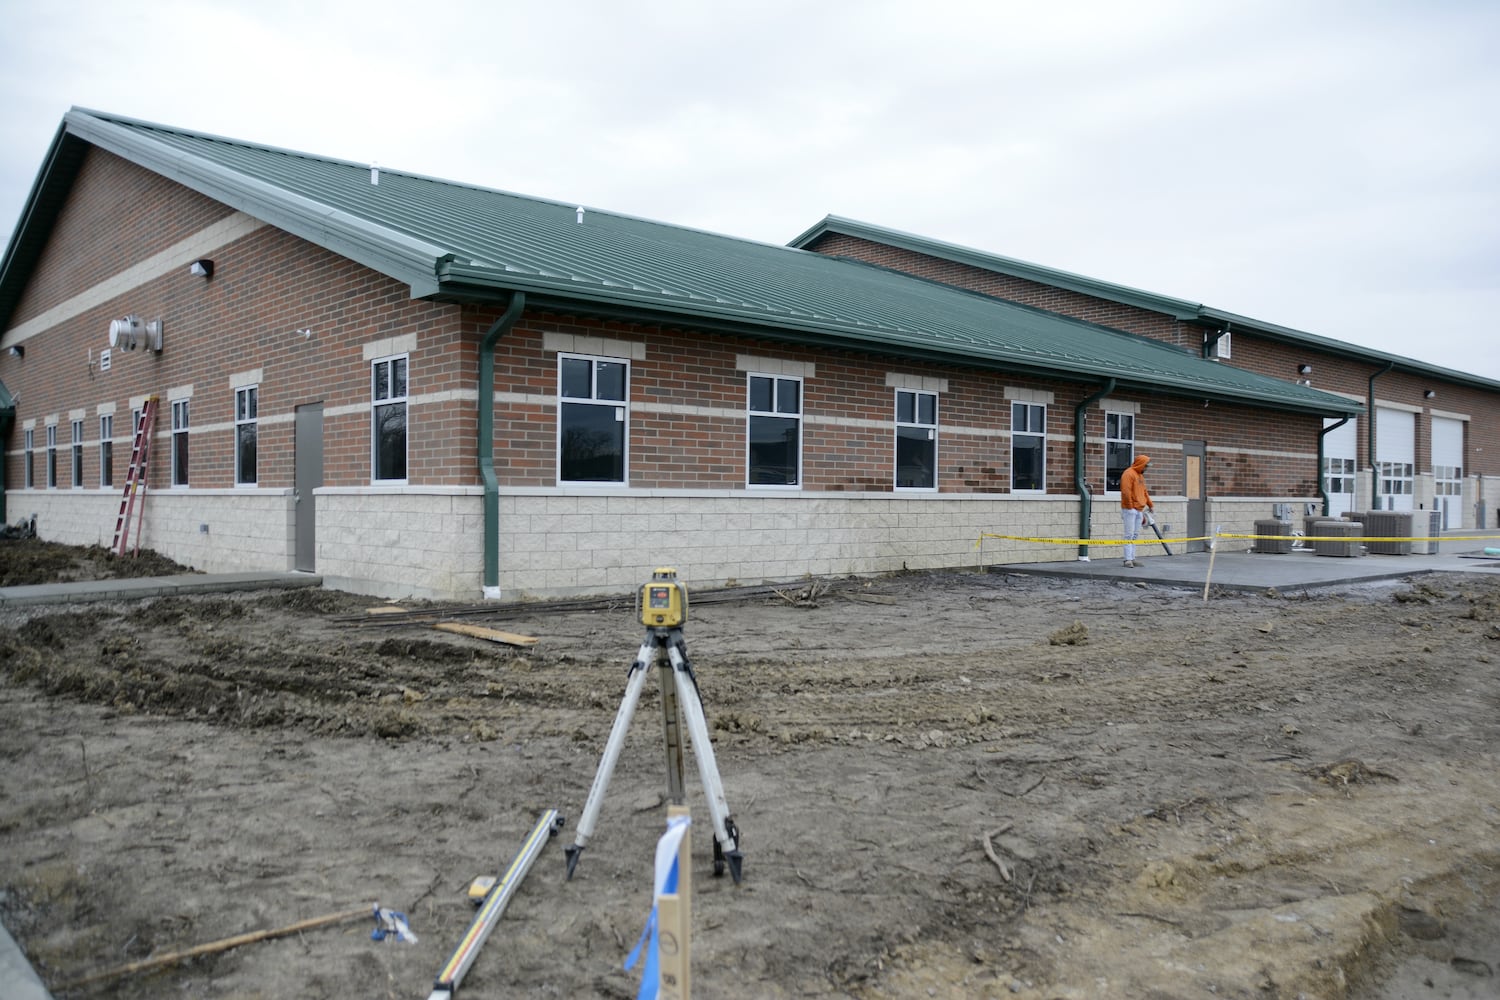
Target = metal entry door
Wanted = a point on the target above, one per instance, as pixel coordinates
(307, 477)
(1194, 487)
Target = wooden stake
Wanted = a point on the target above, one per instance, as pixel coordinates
(674, 912)
(172, 958)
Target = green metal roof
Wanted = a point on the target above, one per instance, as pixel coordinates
(464, 243)
(1181, 309)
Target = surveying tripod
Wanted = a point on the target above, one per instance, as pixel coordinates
(663, 612)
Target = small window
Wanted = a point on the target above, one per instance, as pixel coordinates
(774, 432)
(30, 459)
(51, 456)
(593, 417)
(107, 450)
(1119, 448)
(388, 420)
(1028, 448)
(78, 454)
(180, 442)
(246, 406)
(916, 440)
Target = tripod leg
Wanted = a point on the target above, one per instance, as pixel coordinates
(726, 834)
(671, 727)
(638, 671)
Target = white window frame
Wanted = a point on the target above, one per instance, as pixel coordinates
(30, 458)
(246, 416)
(106, 450)
(379, 403)
(1028, 433)
(916, 423)
(51, 456)
(778, 383)
(1117, 439)
(77, 455)
(181, 422)
(620, 408)
(1397, 479)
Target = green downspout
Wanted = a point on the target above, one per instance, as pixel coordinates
(1370, 441)
(1085, 498)
(1323, 454)
(501, 327)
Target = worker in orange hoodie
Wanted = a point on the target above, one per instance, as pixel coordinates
(1135, 502)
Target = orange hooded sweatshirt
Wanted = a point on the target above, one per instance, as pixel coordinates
(1133, 495)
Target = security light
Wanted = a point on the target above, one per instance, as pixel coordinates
(202, 268)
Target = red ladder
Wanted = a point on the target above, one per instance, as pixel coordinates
(135, 481)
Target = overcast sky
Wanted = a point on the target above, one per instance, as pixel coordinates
(1327, 165)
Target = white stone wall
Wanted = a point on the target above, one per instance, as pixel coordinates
(247, 529)
(402, 541)
(429, 541)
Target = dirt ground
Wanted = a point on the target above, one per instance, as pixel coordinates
(947, 785)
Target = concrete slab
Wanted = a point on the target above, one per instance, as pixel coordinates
(18, 980)
(83, 591)
(1290, 571)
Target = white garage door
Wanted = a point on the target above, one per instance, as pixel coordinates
(1448, 470)
(1339, 452)
(1395, 457)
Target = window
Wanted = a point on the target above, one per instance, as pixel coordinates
(30, 459)
(1396, 478)
(388, 420)
(1448, 481)
(180, 442)
(246, 405)
(78, 454)
(916, 440)
(51, 456)
(774, 434)
(107, 450)
(1028, 447)
(1338, 474)
(1119, 448)
(592, 418)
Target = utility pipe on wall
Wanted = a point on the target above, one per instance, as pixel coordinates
(500, 328)
(1085, 498)
(1370, 440)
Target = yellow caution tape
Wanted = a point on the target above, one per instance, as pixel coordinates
(1149, 540)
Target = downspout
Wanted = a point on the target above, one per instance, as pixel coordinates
(1370, 440)
(500, 328)
(1085, 498)
(1323, 454)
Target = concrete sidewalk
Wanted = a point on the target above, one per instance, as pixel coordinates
(17, 979)
(1299, 569)
(82, 591)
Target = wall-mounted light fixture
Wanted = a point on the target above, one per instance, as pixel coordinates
(305, 334)
(17, 351)
(1304, 369)
(1430, 394)
(203, 268)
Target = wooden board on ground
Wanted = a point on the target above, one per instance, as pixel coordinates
(385, 609)
(493, 635)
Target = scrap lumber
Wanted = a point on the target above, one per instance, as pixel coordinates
(492, 634)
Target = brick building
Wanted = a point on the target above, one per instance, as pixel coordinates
(415, 386)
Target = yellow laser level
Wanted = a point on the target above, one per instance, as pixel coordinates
(664, 601)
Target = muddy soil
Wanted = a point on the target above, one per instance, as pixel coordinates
(946, 784)
(31, 561)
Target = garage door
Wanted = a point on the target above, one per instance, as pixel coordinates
(1339, 449)
(1395, 457)
(1448, 470)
